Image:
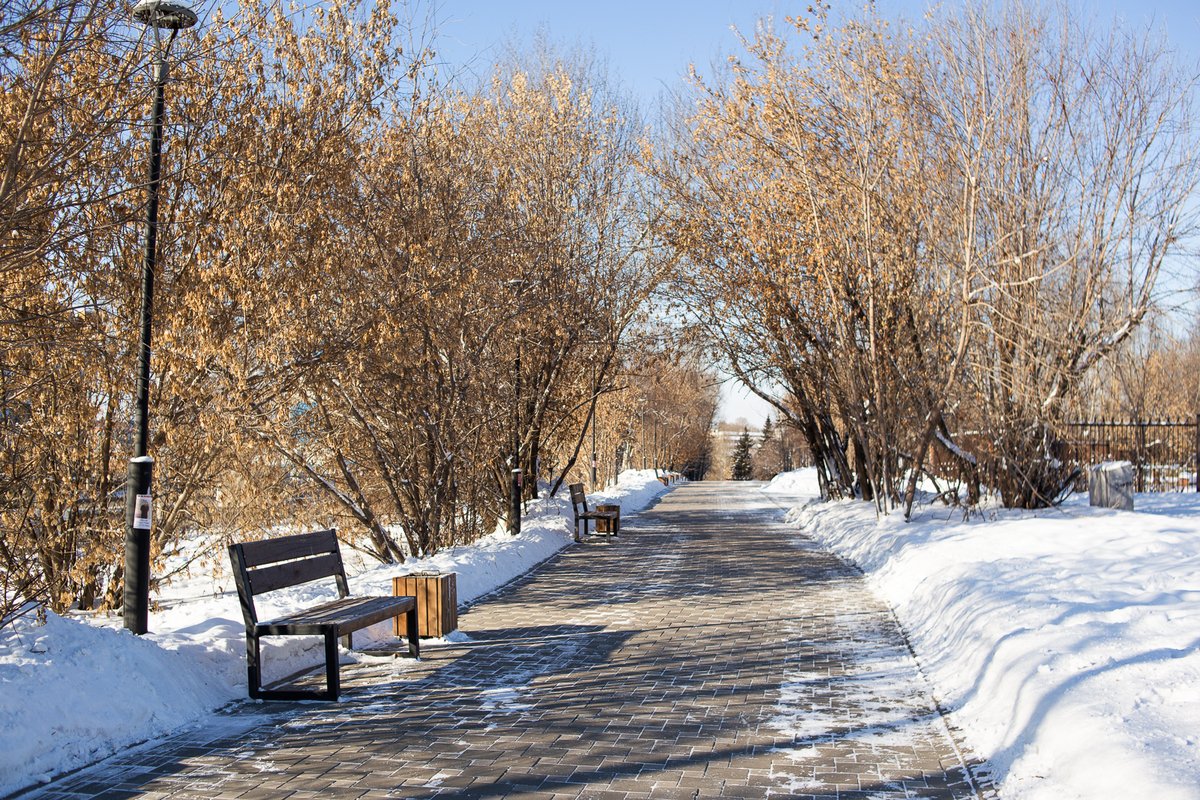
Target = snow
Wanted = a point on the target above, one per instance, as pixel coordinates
(953, 448)
(81, 688)
(1064, 643)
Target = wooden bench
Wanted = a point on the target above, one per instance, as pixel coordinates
(290, 561)
(578, 502)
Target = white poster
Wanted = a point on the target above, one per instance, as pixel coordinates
(141, 513)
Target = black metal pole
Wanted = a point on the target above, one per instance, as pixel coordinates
(138, 520)
(138, 486)
(1140, 479)
(656, 443)
(514, 513)
(594, 414)
(643, 415)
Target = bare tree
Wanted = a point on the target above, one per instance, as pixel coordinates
(930, 239)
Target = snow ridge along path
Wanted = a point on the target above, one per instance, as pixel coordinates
(707, 652)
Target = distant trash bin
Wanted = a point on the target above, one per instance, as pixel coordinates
(1110, 485)
(609, 526)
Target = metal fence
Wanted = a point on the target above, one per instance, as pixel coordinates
(1165, 454)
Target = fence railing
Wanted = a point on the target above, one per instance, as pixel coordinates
(1165, 454)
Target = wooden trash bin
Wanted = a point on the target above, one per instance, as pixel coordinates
(610, 526)
(437, 601)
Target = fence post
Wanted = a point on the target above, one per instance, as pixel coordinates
(1198, 452)
(1141, 456)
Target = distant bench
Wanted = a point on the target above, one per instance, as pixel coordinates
(272, 564)
(580, 508)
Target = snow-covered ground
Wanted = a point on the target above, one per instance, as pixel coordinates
(78, 689)
(1064, 643)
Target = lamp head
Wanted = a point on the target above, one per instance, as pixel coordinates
(164, 14)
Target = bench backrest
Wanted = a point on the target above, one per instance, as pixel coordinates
(578, 498)
(272, 564)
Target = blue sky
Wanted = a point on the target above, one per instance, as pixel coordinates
(649, 44)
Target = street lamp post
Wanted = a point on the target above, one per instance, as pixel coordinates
(655, 413)
(157, 15)
(514, 512)
(594, 410)
(642, 415)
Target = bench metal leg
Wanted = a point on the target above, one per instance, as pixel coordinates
(333, 683)
(333, 679)
(332, 674)
(413, 632)
(253, 671)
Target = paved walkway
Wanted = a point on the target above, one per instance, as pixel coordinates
(709, 652)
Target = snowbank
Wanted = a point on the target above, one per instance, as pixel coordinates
(1065, 643)
(79, 689)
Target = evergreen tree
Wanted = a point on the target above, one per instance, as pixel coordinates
(742, 465)
(766, 460)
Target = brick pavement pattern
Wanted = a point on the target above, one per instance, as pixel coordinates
(709, 651)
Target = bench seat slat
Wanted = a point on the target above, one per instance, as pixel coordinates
(293, 573)
(344, 615)
(303, 545)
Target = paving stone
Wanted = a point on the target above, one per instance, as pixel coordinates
(710, 652)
